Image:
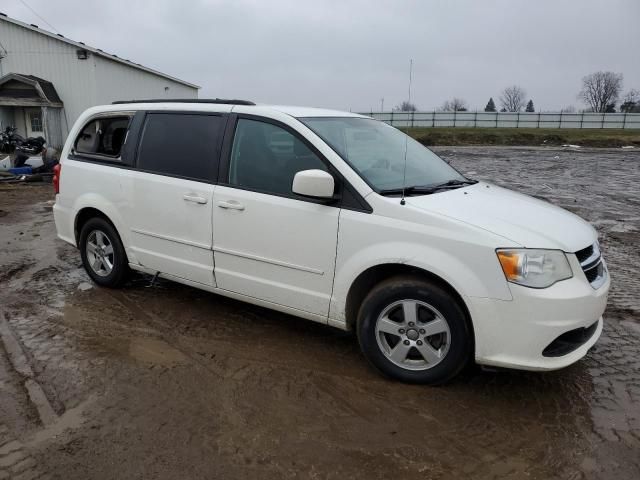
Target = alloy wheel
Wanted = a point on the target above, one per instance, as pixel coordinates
(413, 334)
(100, 254)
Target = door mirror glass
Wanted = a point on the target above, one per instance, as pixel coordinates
(313, 183)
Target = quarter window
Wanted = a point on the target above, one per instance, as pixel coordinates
(103, 136)
(182, 145)
(266, 157)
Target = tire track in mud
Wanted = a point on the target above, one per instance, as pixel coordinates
(22, 366)
(223, 348)
(324, 388)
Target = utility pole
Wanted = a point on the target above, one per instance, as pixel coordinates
(382, 105)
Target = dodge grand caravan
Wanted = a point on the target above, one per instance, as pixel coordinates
(337, 218)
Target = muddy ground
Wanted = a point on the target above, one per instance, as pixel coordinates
(170, 382)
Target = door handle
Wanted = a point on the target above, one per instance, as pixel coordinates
(192, 197)
(231, 205)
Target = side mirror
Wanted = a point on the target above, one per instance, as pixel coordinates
(313, 183)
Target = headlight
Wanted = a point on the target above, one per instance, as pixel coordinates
(534, 268)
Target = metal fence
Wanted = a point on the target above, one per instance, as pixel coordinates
(509, 120)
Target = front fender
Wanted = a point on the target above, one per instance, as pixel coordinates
(469, 267)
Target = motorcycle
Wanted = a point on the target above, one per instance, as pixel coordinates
(10, 141)
(32, 145)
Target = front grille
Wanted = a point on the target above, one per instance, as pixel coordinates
(584, 253)
(590, 260)
(592, 274)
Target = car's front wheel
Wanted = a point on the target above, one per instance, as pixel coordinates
(103, 254)
(414, 330)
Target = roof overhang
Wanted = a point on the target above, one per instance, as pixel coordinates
(37, 97)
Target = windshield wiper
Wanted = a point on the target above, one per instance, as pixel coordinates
(427, 189)
(456, 183)
(407, 190)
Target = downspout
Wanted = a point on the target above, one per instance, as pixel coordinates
(45, 123)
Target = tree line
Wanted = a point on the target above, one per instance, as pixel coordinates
(600, 91)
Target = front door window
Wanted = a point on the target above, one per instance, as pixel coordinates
(266, 157)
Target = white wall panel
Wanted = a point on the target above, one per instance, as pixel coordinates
(80, 83)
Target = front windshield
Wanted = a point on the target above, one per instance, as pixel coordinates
(376, 151)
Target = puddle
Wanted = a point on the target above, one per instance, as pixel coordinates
(144, 350)
(156, 352)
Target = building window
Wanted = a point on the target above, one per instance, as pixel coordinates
(36, 122)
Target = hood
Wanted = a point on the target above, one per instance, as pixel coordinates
(530, 222)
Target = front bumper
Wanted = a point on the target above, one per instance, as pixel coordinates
(515, 333)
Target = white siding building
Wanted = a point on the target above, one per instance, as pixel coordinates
(47, 80)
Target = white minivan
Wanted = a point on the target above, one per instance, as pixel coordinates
(337, 218)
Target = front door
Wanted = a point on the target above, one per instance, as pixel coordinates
(269, 243)
(170, 194)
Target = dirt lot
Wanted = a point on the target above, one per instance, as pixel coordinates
(170, 382)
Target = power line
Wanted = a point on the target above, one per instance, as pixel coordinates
(39, 16)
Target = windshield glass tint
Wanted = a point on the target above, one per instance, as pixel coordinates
(376, 151)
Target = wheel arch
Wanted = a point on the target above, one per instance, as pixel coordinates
(84, 215)
(373, 275)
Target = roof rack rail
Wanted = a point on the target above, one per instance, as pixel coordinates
(187, 100)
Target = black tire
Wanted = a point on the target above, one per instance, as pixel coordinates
(120, 265)
(432, 300)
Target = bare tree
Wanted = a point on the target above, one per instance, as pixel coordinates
(632, 95)
(600, 90)
(513, 98)
(405, 107)
(631, 102)
(568, 109)
(454, 105)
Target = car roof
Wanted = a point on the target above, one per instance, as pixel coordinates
(218, 105)
(300, 112)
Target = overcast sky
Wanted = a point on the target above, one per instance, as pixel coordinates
(349, 54)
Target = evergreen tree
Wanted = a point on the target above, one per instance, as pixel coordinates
(530, 107)
(491, 107)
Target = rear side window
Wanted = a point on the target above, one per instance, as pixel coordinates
(103, 136)
(181, 144)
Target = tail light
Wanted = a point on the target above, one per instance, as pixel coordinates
(57, 170)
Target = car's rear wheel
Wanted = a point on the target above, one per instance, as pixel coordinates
(414, 330)
(103, 254)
